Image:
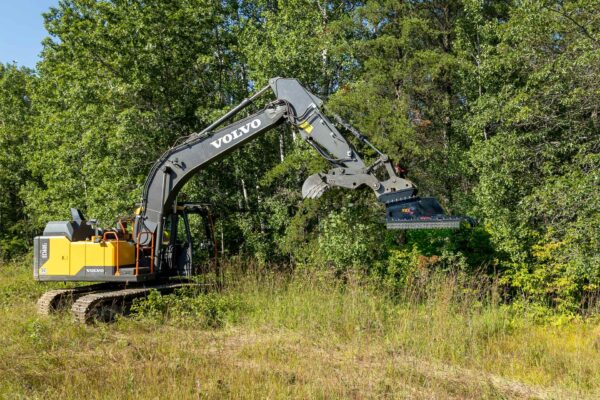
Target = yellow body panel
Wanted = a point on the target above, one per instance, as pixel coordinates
(77, 256)
(126, 253)
(69, 258)
(94, 254)
(58, 263)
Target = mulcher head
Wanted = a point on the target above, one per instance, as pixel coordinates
(404, 210)
(419, 213)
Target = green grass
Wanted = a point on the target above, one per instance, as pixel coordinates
(269, 335)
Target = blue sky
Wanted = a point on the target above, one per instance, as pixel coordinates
(22, 30)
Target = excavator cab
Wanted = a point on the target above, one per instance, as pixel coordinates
(179, 254)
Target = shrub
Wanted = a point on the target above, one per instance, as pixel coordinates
(349, 239)
(207, 310)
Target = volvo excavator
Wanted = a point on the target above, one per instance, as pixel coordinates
(146, 253)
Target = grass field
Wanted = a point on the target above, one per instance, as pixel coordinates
(303, 336)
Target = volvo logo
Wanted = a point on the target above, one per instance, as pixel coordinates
(236, 133)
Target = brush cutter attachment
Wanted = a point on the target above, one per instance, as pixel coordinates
(403, 208)
(419, 213)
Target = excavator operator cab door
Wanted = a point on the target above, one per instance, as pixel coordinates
(178, 256)
(179, 252)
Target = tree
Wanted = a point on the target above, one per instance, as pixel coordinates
(535, 133)
(120, 81)
(405, 93)
(16, 116)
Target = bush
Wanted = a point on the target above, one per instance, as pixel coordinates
(348, 239)
(396, 271)
(11, 247)
(206, 310)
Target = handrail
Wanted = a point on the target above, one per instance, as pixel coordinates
(137, 252)
(123, 230)
(152, 255)
(104, 238)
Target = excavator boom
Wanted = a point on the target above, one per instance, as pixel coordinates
(300, 108)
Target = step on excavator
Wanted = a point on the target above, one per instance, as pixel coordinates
(146, 252)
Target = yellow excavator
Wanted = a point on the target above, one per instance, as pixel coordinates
(146, 253)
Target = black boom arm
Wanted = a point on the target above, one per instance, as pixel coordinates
(294, 105)
(181, 162)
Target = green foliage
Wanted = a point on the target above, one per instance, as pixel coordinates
(348, 239)
(205, 310)
(406, 90)
(13, 246)
(119, 82)
(299, 239)
(297, 38)
(490, 106)
(534, 127)
(16, 115)
(397, 271)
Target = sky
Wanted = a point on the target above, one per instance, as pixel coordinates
(22, 30)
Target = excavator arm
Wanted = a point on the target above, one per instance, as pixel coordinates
(300, 108)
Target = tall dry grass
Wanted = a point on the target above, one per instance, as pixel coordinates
(299, 335)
